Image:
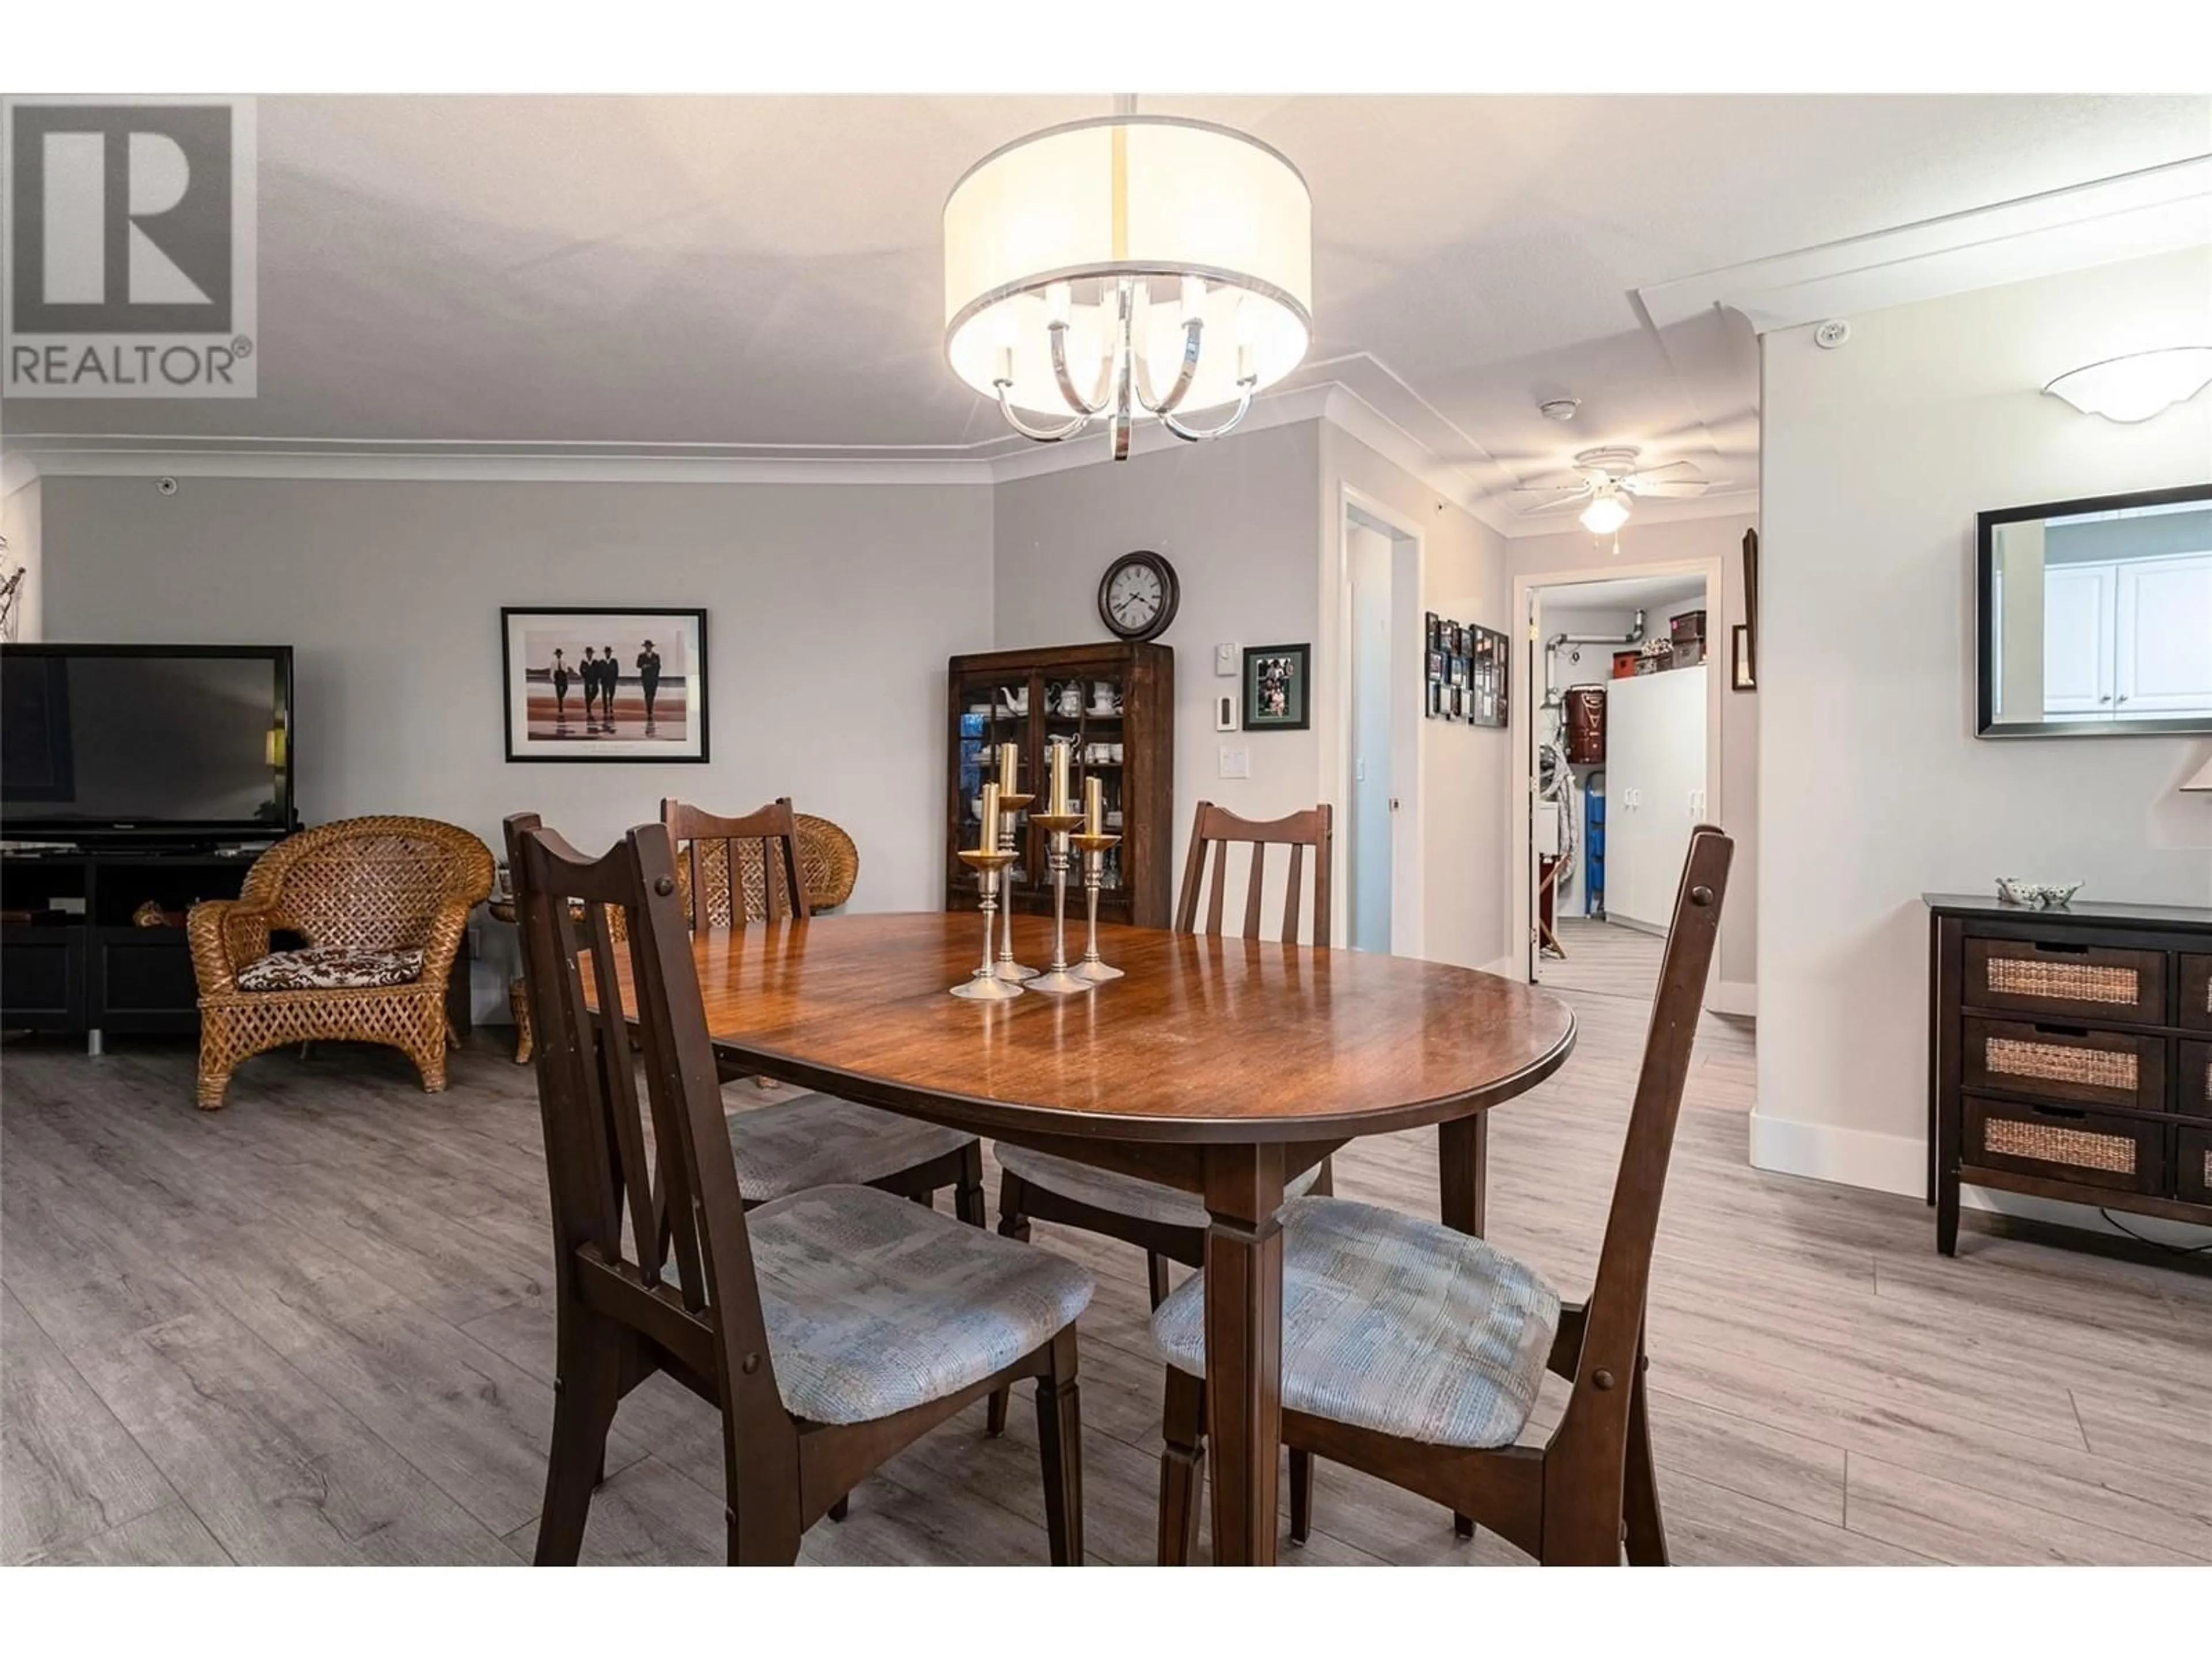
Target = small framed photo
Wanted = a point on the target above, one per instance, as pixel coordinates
(1277, 687)
(1743, 674)
(1436, 665)
(1436, 700)
(1435, 631)
(1459, 670)
(585, 684)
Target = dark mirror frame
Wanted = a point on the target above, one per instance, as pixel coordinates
(1985, 656)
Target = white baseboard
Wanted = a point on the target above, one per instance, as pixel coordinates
(1733, 996)
(1851, 1158)
(1898, 1164)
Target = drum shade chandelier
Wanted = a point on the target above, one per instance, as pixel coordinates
(1126, 266)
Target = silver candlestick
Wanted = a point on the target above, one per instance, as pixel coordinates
(1010, 806)
(985, 985)
(1093, 847)
(1056, 979)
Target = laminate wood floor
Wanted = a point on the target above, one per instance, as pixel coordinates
(314, 1327)
(1603, 958)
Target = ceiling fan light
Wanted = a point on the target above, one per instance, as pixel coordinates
(1605, 513)
(2137, 386)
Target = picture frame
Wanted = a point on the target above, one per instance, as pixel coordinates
(654, 708)
(1436, 700)
(1277, 687)
(1743, 674)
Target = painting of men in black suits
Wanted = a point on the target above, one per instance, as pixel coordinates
(650, 707)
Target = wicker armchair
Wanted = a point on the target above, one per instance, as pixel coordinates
(386, 889)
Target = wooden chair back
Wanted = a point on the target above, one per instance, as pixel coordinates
(680, 1193)
(1612, 1330)
(1218, 829)
(727, 858)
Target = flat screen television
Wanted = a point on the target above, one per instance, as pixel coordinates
(182, 742)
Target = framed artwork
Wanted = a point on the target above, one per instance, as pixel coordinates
(1436, 699)
(1277, 681)
(589, 683)
(1742, 670)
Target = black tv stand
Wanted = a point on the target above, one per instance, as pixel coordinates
(72, 957)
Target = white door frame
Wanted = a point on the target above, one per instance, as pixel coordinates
(1519, 873)
(1333, 722)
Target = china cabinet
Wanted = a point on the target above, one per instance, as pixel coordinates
(1114, 704)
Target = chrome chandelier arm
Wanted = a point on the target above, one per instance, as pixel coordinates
(1192, 328)
(1076, 401)
(1041, 434)
(1197, 435)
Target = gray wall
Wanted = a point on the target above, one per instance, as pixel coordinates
(831, 611)
(1236, 518)
(1876, 460)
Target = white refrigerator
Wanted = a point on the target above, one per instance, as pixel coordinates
(1654, 789)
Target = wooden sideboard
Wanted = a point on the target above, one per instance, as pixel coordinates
(2070, 1056)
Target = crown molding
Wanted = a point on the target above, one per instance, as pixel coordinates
(2131, 215)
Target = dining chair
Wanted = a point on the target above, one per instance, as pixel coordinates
(1164, 1222)
(1414, 1352)
(812, 1140)
(830, 1329)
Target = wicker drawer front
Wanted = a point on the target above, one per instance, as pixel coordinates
(2196, 993)
(2066, 1143)
(2082, 982)
(2065, 1062)
(2192, 1176)
(2196, 1092)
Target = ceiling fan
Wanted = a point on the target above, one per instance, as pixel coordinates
(1610, 478)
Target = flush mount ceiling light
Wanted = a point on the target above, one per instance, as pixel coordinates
(1125, 266)
(1608, 511)
(2139, 385)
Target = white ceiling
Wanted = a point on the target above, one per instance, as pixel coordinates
(760, 275)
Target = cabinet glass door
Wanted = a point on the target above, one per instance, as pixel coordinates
(1086, 711)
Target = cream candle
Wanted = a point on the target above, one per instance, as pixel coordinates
(1059, 778)
(988, 840)
(1093, 805)
(1010, 766)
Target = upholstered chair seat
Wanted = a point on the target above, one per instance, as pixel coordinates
(820, 1140)
(331, 968)
(1395, 1324)
(1115, 1193)
(875, 1305)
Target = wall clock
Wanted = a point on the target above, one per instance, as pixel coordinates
(1138, 596)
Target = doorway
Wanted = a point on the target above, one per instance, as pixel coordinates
(1620, 765)
(1381, 617)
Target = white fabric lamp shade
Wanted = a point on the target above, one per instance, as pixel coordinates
(1031, 228)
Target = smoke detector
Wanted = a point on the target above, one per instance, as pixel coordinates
(1558, 409)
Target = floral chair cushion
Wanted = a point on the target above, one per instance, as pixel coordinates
(332, 968)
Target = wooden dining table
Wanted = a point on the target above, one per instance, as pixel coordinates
(1222, 1066)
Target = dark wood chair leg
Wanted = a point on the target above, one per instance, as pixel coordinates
(1012, 1224)
(1462, 1525)
(1156, 1277)
(1182, 1467)
(1060, 1447)
(1646, 1527)
(1301, 1464)
(968, 1196)
(842, 1508)
(586, 1390)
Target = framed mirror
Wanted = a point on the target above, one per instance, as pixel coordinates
(2093, 619)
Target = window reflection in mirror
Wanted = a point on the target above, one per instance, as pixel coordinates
(2096, 617)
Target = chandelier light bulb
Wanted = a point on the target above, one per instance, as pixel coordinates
(2137, 386)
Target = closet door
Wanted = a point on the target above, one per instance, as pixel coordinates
(1655, 787)
(2163, 636)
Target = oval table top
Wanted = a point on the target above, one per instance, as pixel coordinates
(1206, 1039)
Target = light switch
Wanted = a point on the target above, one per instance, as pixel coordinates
(1224, 662)
(1235, 762)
